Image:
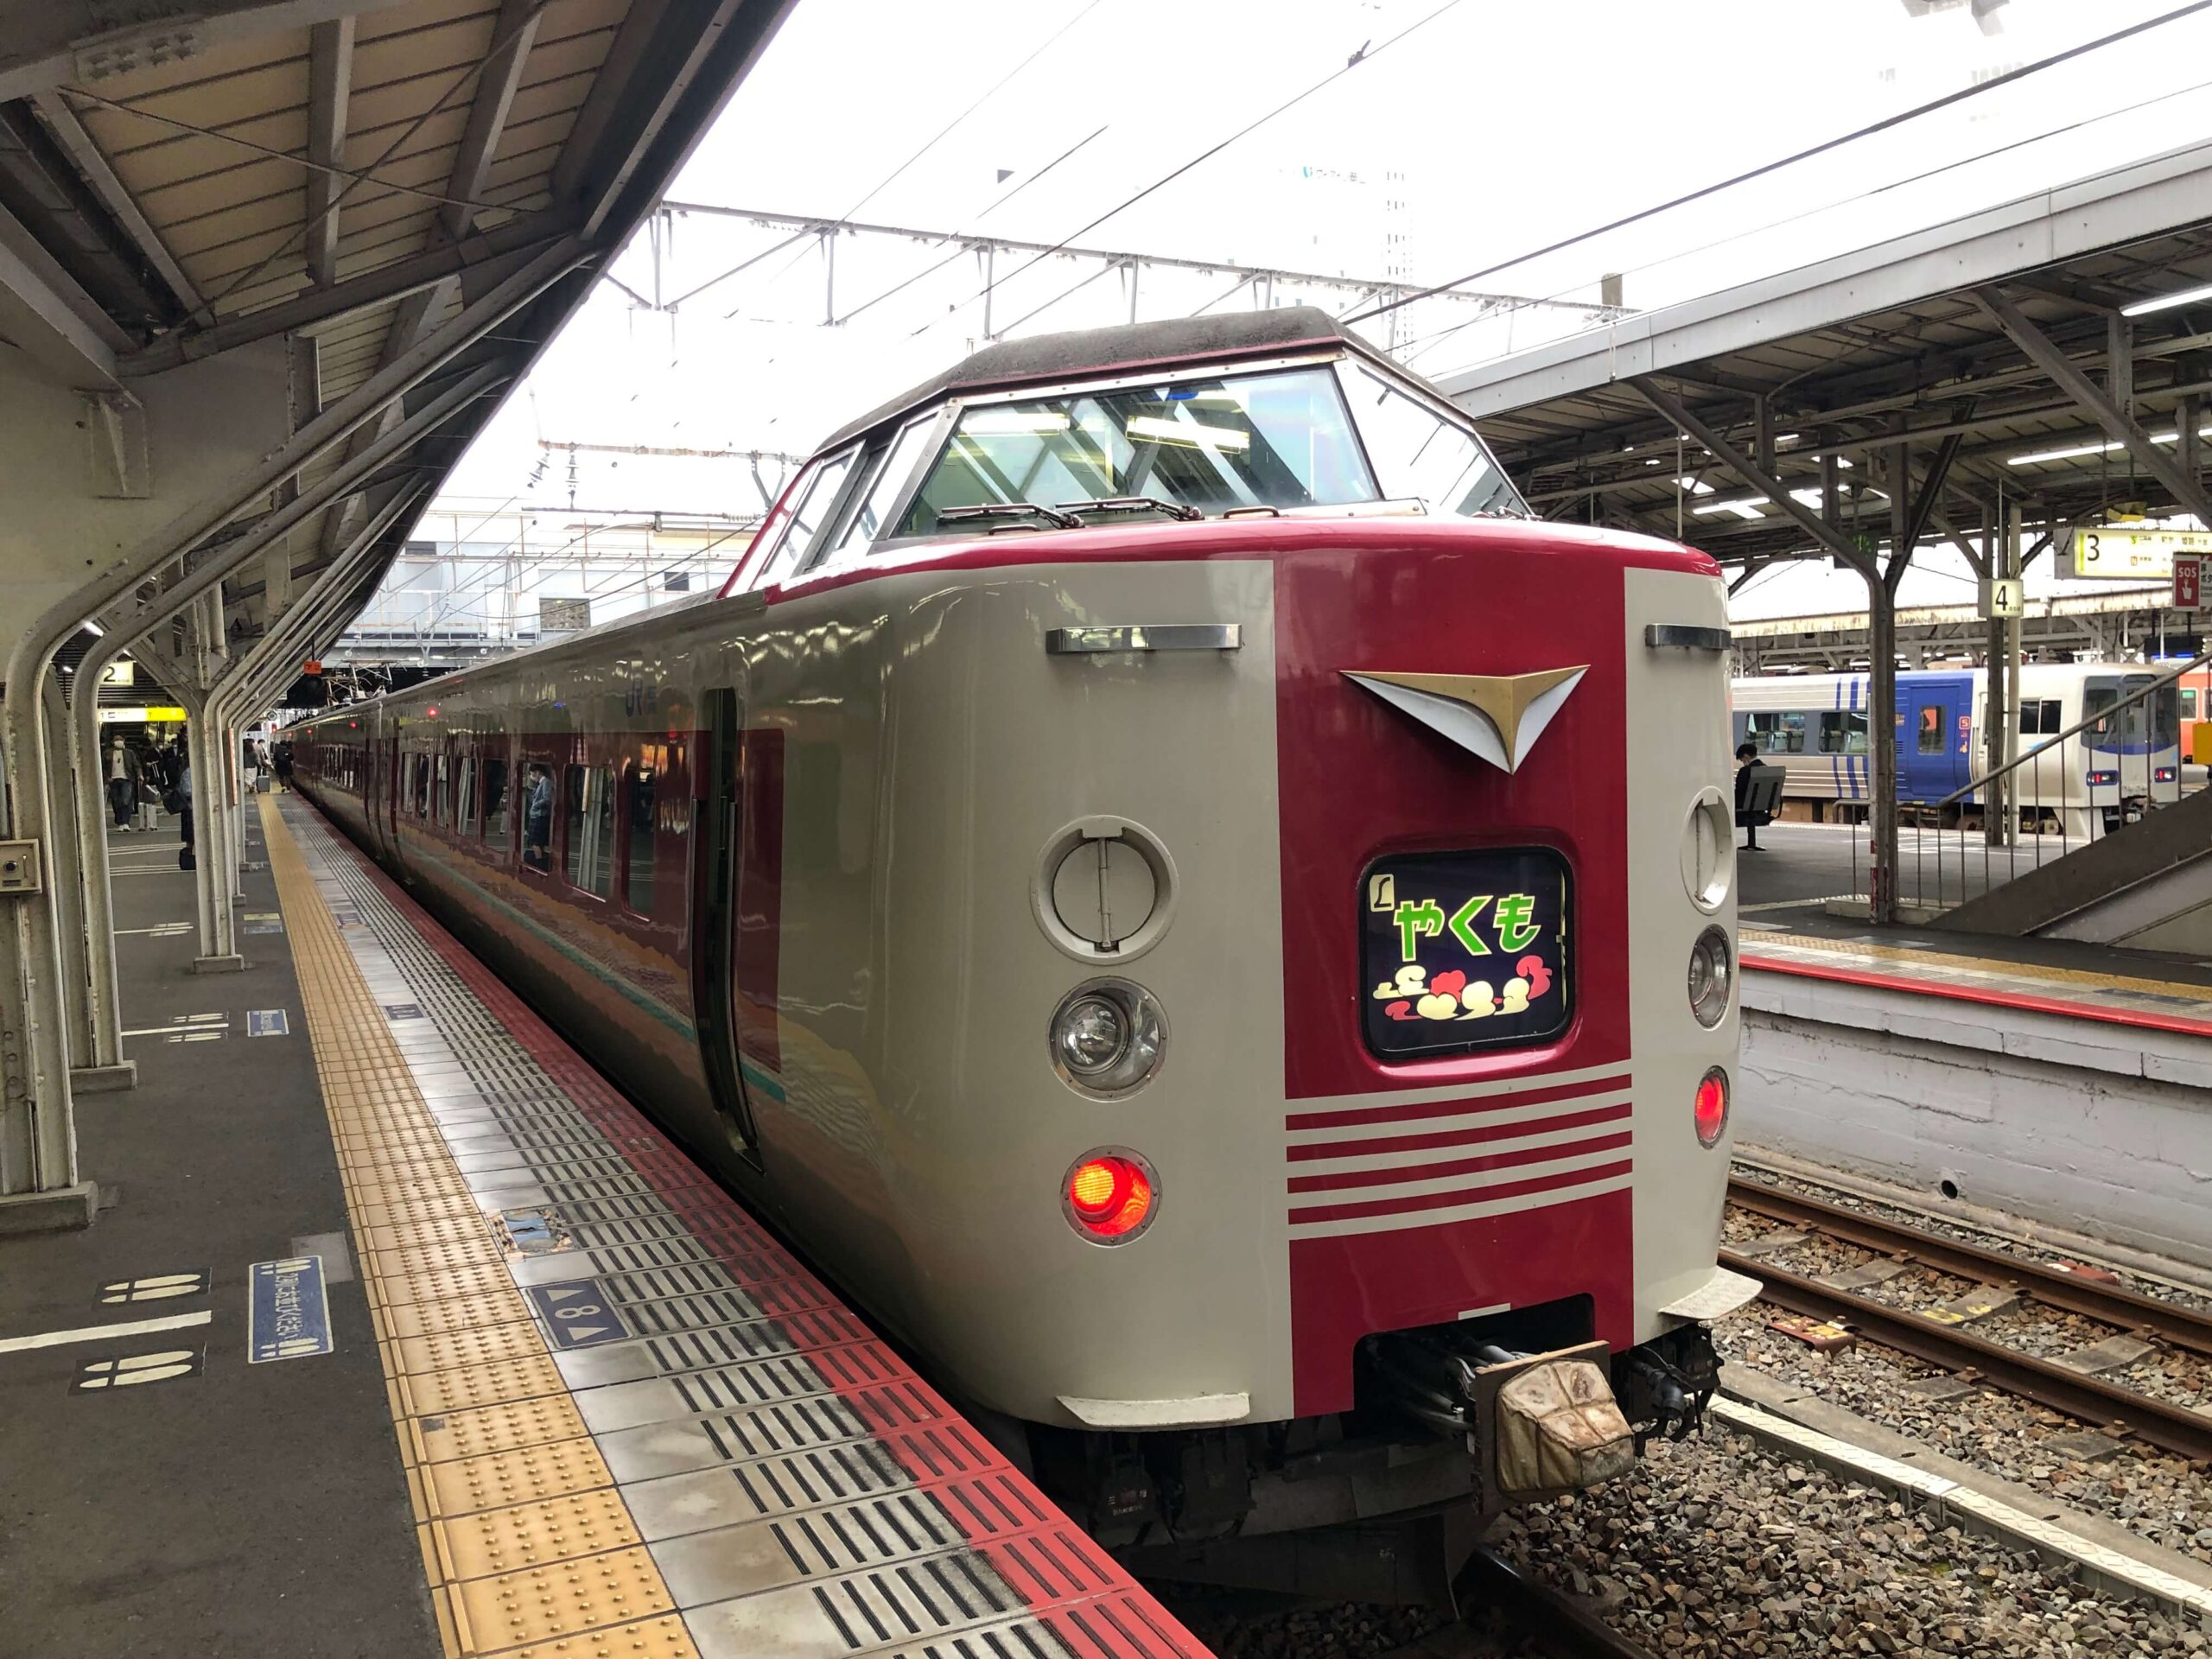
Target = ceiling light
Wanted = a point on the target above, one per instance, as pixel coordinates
(2072, 454)
(1742, 509)
(2167, 301)
(1189, 433)
(1006, 422)
(1696, 485)
(95, 630)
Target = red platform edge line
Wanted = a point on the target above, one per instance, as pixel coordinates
(1989, 997)
(1145, 1630)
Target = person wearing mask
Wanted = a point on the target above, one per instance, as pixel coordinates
(538, 818)
(122, 783)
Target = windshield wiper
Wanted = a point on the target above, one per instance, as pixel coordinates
(1134, 504)
(1009, 510)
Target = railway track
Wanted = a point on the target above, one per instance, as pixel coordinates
(1561, 1625)
(2080, 1394)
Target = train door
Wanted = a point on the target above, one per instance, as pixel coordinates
(719, 836)
(1935, 726)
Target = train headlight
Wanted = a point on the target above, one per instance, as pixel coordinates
(2098, 779)
(1108, 1038)
(2165, 774)
(1709, 1111)
(1712, 971)
(1110, 1195)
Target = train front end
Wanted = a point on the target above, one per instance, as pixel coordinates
(1309, 1017)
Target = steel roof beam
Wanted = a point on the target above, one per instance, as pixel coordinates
(488, 257)
(66, 329)
(69, 132)
(52, 42)
(330, 83)
(1750, 471)
(2186, 489)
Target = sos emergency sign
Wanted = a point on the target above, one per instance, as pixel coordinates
(2189, 581)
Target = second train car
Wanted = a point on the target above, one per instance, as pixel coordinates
(1814, 727)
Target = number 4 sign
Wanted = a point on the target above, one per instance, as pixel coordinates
(2188, 579)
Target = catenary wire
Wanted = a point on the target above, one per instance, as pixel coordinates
(1821, 148)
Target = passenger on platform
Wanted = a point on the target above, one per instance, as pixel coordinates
(122, 783)
(1747, 757)
(283, 763)
(538, 818)
(249, 766)
(181, 799)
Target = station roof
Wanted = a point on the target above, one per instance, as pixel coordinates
(338, 173)
(1898, 342)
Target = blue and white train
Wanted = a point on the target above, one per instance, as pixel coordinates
(1814, 726)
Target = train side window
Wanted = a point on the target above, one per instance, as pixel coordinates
(888, 487)
(443, 798)
(1775, 733)
(2039, 717)
(1843, 731)
(421, 785)
(640, 783)
(495, 797)
(465, 795)
(1931, 730)
(817, 501)
(2189, 703)
(588, 839)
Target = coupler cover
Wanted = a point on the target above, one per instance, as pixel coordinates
(1558, 1429)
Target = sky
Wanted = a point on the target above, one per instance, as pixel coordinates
(1466, 134)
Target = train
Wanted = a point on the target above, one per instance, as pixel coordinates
(1176, 892)
(1814, 727)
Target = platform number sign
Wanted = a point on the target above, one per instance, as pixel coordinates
(2189, 581)
(578, 1314)
(1464, 950)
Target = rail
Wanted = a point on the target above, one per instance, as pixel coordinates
(1561, 1627)
(1951, 1347)
(2007, 836)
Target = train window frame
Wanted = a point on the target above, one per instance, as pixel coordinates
(789, 558)
(929, 433)
(464, 794)
(650, 765)
(2188, 701)
(495, 755)
(1784, 728)
(1838, 722)
(1356, 377)
(2049, 719)
(577, 801)
(1932, 728)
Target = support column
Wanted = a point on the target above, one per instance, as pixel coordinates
(1999, 697)
(107, 1069)
(2013, 567)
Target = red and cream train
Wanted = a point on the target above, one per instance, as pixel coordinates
(1208, 921)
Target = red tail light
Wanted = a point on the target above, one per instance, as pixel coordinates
(1110, 1197)
(1710, 1109)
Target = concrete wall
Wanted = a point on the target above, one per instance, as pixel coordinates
(2105, 1128)
(201, 423)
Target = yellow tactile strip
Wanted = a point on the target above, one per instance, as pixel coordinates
(527, 1546)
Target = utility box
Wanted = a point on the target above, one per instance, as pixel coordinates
(18, 867)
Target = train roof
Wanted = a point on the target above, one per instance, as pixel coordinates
(1046, 358)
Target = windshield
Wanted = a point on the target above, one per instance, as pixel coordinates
(1420, 456)
(1249, 441)
(2155, 718)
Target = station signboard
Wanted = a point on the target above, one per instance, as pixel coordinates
(2133, 552)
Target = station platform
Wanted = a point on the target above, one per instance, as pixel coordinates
(567, 1398)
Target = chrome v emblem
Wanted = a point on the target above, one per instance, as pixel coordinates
(1496, 717)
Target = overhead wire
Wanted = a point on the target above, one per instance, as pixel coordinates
(1826, 145)
(1406, 354)
(943, 132)
(1365, 55)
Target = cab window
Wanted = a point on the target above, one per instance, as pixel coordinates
(816, 499)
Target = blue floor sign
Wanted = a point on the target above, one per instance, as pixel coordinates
(287, 1310)
(577, 1313)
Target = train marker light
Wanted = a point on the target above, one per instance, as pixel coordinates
(1710, 1109)
(1111, 1196)
(2097, 778)
(1713, 972)
(2166, 774)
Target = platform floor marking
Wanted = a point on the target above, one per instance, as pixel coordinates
(468, 1376)
(103, 1333)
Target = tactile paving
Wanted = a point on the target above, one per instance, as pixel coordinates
(723, 1438)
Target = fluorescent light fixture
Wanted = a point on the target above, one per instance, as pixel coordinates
(2072, 454)
(1787, 437)
(1807, 497)
(2167, 301)
(1696, 485)
(1742, 509)
(1008, 422)
(1189, 433)
(94, 629)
